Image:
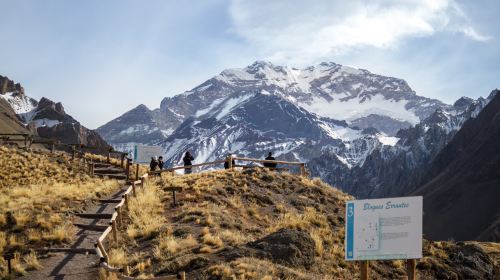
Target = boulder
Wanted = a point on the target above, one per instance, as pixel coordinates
(288, 247)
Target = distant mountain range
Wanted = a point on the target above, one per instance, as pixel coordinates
(45, 118)
(353, 110)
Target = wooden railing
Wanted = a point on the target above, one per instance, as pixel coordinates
(230, 159)
(112, 230)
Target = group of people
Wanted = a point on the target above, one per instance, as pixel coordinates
(157, 162)
(271, 165)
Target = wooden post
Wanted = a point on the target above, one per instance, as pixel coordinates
(364, 270)
(26, 141)
(121, 163)
(137, 172)
(174, 198)
(183, 275)
(52, 147)
(303, 169)
(126, 200)
(411, 271)
(9, 265)
(128, 168)
(143, 180)
(115, 230)
(108, 160)
(230, 162)
(119, 217)
(73, 151)
(133, 189)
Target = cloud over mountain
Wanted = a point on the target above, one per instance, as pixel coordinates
(307, 32)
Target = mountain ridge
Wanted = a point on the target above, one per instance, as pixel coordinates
(46, 118)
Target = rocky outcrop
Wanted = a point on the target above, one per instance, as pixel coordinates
(288, 247)
(7, 85)
(45, 118)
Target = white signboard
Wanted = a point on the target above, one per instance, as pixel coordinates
(382, 229)
(143, 154)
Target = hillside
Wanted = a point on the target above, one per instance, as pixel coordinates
(46, 118)
(9, 122)
(38, 193)
(258, 224)
(461, 188)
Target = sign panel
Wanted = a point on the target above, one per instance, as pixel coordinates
(143, 154)
(383, 229)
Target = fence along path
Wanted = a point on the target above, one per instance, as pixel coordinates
(78, 260)
(116, 220)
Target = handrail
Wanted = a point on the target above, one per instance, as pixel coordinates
(171, 169)
(268, 161)
(188, 166)
(113, 228)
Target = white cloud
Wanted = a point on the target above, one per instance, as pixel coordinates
(305, 31)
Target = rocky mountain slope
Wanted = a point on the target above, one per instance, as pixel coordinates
(251, 124)
(330, 90)
(397, 170)
(461, 186)
(45, 117)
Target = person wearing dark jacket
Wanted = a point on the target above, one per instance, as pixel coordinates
(270, 164)
(226, 163)
(161, 162)
(153, 164)
(188, 158)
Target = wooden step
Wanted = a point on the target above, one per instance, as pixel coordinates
(71, 250)
(110, 200)
(108, 170)
(97, 227)
(94, 215)
(103, 165)
(113, 176)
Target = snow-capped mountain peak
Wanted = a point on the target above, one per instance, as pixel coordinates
(327, 93)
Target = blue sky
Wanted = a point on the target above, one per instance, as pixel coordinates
(102, 58)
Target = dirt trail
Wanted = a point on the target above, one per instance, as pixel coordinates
(77, 266)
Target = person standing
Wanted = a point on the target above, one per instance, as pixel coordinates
(188, 161)
(270, 165)
(153, 164)
(161, 162)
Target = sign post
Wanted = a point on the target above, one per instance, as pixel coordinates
(384, 229)
(143, 154)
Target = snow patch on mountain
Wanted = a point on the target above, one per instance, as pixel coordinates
(45, 122)
(20, 104)
(361, 106)
(388, 140)
(231, 103)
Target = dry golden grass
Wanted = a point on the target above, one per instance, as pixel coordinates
(31, 261)
(146, 212)
(36, 190)
(220, 211)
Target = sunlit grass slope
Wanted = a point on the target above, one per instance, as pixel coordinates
(222, 212)
(38, 191)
